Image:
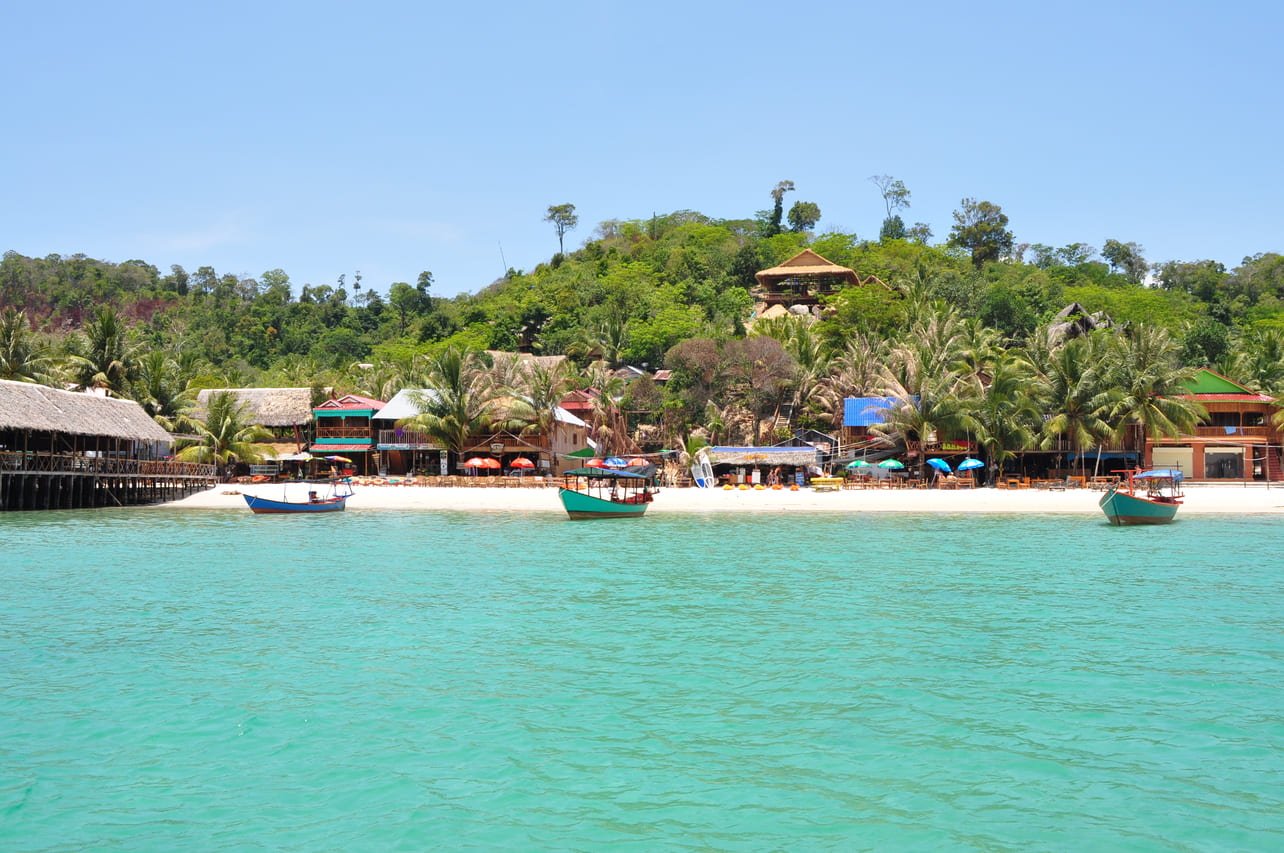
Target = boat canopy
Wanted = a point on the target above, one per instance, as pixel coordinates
(1159, 474)
(604, 474)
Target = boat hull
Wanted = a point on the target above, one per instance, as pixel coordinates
(1121, 509)
(264, 506)
(581, 506)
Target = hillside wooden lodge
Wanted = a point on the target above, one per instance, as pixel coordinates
(66, 450)
(345, 427)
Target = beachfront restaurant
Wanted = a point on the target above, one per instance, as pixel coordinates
(72, 450)
(760, 465)
(1236, 441)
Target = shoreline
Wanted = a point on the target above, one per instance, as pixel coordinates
(1199, 500)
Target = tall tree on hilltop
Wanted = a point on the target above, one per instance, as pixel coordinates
(804, 215)
(896, 196)
(981, 227)
(778, 206)
(1125, 258)
(564, 219)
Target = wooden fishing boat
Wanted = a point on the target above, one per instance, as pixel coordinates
(333, 502)
(1146, 497)
(606, 493)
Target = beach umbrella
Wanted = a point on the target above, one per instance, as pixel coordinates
(637, 462)
(521, 462)
(940, 465)
(970, 464)
(615, 462)
(493, 464)
(891, 464)
(595, 463)
(477, 462)
(338, 459)
(859, 463)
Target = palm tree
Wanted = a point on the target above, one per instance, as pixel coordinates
(224, 434)
(166, 388)
(930, 398)
(1145, 376)
(458, 406)
(104, 358)
(1076, 397)
(537, 395)
(22, 358)
(1006, 414)
(610, 427)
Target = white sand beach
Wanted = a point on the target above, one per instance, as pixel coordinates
(1200, 499)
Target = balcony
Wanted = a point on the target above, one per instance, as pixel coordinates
(1233, 431)
(404, 439)
(343, 432)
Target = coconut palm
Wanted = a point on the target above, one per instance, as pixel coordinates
(537, 394)
(930, 399)
(103, 358)
(458, 406)
(1259, 360)
(1076, 397)
(163, 387)
(1006, 414)
(610, 427)
(225, 434)
(1145, 377)
(22, 358)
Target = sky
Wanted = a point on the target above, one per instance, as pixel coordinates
(327, 138)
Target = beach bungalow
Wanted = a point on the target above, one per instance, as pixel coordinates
(285, 412)
(68, 450)
(1236, 441)
(345, 427)
(859, 414)
(403, 450)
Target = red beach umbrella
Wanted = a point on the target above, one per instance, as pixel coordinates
(595, 463)
(493, 464)
(637, 462)
(476, 462)
(521, 462)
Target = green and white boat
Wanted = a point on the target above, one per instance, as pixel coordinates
(1148, 497)
(606, 493)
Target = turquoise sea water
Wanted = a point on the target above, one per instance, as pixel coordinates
(408, 681)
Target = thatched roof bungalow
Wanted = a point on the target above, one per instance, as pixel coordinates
(274, 408)
(29, 408)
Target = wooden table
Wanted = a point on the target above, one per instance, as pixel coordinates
(826, 484)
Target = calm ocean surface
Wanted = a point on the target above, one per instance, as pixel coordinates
(382, 680)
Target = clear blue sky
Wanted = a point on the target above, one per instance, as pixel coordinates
(324, 138)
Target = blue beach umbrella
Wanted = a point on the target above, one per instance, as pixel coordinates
(970, 464)
(940, 465)
(891, 464)
(615, 462)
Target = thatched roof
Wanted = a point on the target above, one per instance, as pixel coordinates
(269, 407)
(806, 264)
(524, 359)
(38, 407)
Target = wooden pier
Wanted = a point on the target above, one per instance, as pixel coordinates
(35, 481)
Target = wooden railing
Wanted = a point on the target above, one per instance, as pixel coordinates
(410, 437)
(18, 461)
(343, 432)
(1233, 431)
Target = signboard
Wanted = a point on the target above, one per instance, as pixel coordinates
(497, 447)
(445, 471)
(955, 446)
